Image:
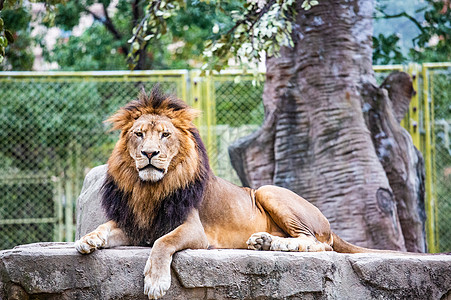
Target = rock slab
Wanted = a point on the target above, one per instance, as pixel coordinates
(90, 213)
(57, 271)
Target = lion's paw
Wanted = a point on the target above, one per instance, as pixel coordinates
(91, 242)
(259, 241)
(286, 244)
(156, 288)
(299, 244)
(156, 284)
(266, 241)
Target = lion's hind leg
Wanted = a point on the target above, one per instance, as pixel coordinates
(303, 243)
(306, 228)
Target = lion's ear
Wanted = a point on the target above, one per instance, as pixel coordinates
(183, 119)
(191, 114)
(123, 119)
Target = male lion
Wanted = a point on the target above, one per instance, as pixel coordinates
(160, 192)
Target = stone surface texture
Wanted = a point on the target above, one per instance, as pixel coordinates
(89, 210)
(57, 271)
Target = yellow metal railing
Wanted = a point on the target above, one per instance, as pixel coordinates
(428, 164)
(429, 153)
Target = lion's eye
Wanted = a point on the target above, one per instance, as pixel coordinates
(165, 134)
(139, 134)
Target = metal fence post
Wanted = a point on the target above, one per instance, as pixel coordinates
(414, 108)
(202, 98)
(430, 199)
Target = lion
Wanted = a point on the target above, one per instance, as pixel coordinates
(161, 192)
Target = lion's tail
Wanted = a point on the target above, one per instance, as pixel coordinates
(341, 246)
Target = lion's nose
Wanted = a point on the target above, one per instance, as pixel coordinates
(150, 154)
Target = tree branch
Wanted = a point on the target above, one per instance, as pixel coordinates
(403, 14)
(109, 26)
(106, 21)
(136, 12)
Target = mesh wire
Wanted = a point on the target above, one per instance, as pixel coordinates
(441, 94)
(239, 112)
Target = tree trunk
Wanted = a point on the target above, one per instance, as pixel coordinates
(384, 109)
(316, 139)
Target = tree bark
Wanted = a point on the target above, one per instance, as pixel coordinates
(384, 108)
(315, 139)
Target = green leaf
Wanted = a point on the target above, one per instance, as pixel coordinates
(3, 41)
(9, 36)
(135, 46)
(167, 15)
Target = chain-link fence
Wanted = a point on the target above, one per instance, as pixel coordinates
(51, 135)
(438, 91)
(238, 112)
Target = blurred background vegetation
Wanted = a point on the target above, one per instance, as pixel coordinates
(103, 45)
(417, 30)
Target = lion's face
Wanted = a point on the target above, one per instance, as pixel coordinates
(153, 142)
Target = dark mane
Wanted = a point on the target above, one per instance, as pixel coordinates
(155, 100)
(169, 212)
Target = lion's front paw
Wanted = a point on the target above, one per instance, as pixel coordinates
(156, 283)
(156, 288)
(91, 242)
(259, 241)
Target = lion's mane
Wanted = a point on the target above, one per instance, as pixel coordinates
(148, 210)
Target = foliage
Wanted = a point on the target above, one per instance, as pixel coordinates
(6, 36)
(182, 34)
(386, 50)
(15, 45)
(433, 41)
(259, 27)
(181, 45)
(95, 49)
(14, 25)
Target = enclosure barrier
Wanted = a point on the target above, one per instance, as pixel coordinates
(51, 134)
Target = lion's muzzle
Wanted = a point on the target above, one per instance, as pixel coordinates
(150, 154)
(150, 166)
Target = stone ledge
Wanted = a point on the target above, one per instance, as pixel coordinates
(57, 271)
